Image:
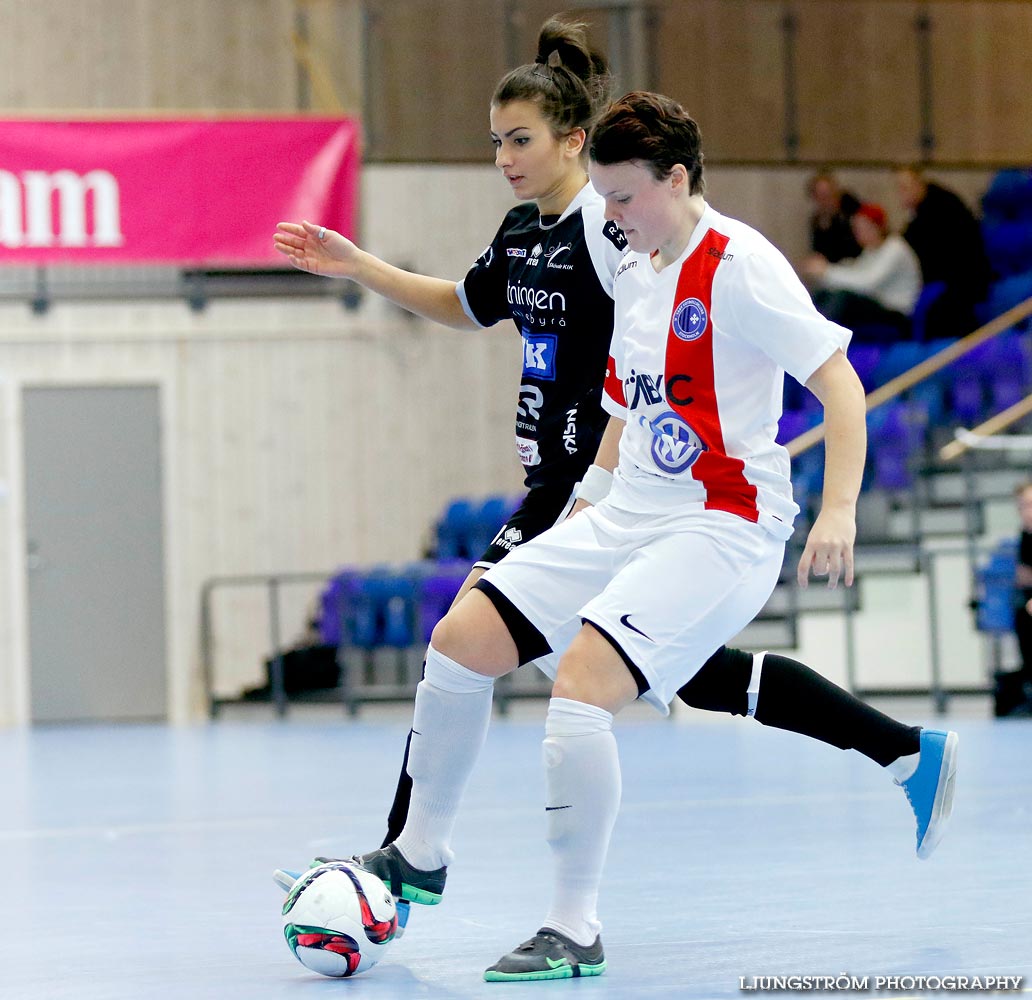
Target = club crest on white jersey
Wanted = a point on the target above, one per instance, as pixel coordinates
(690, 319)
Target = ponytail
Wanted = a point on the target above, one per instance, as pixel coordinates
(568, 80)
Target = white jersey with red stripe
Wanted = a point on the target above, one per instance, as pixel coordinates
(699, 354)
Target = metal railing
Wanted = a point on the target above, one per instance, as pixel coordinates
(927, 558)
(926, 369)
(353, 689)
(273, 584)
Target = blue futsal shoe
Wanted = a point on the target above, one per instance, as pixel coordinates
(285, 879)
(929, 789)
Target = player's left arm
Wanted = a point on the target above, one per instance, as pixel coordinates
(829, 546)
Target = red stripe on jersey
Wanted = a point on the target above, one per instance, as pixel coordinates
(613, 386)
(723, 477)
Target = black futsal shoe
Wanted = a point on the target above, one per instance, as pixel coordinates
(404, 881)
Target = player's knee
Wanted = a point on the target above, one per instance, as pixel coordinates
(721, 683)
(446, 638)
(593, 672)
(472, 634)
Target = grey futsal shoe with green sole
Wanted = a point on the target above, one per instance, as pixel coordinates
(548, 955)
(404, 881)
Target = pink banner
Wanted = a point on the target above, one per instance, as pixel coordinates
(177, 192)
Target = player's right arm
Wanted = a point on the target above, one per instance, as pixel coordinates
(599, 476)
(336, 256)
(608, 455)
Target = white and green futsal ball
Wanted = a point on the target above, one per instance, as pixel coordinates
(338, 919)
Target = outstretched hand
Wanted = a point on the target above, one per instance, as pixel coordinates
(829, 549)
(332, 256)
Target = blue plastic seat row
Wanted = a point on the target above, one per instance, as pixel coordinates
(467, 526)
(389, 606)
(398, 606)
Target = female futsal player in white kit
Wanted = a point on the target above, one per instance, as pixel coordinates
(641, 589)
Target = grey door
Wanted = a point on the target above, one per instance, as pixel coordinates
(95, 557)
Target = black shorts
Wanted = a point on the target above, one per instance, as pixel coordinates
(542, 507)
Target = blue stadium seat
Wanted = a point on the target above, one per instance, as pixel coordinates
(930, 397)
(896, 433)
(1008, 292)
(361, 627)
(1009, 246)
(897, 424)
(487, 519)
(397, 599)
(898, 358)
(436, 592)
(995, 589)
(1005, 390)
(1009, 355)
(331, 609)
(1009, 196)
(892, 468)
(865, 358)
(967, 398)
(808, 477)
(919, 315)
(792, 424)
(795, 395)
(454, 528)
(379, 608)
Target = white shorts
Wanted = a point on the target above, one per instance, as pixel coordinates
(668, 591)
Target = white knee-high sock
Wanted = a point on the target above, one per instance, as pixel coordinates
(453, 711)
(583, 779)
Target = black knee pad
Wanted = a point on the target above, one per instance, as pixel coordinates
(530, 643)
(722, 683)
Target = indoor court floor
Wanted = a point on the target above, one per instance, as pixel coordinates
(137, 860)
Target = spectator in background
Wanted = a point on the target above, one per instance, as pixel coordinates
(831, 235)
(947, 239)
(877, 291)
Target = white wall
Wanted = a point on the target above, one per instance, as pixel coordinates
(299, 437)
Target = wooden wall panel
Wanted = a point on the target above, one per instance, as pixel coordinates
(147, 54)
(223, 55)
(58, 55)
(529, 15)
(857, 73)
(435, 65)
(982, 69)
(426, 68)
(336, 40)
(722, 60)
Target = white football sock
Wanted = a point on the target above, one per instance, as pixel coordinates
(903, 768)
(583, 779)
(453, 711)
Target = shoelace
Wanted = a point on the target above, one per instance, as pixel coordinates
(535, 941)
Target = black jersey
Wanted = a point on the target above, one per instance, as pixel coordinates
(555, 282)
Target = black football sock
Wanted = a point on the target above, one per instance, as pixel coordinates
(792, 696)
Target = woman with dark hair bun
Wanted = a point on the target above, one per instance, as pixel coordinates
(549, 269)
